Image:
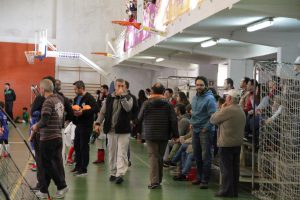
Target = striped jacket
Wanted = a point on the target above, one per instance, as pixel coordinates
(159, 119)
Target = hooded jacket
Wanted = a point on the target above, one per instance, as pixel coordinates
(203, 106)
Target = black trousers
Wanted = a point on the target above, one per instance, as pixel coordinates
(9, 109)
(82, 148)
(52, 164)
(3, 141)
(39, 170)
(230, 170)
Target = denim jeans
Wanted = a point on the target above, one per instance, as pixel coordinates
(202, 143)
(186, 159)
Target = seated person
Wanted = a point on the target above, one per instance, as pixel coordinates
(185, 155)
(183, 128)
(25, 116)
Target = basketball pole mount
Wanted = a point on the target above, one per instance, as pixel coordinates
(41, 51)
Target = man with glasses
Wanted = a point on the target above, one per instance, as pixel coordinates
(203, 106)
(116, 111)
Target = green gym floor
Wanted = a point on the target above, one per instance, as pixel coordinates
(96, 185)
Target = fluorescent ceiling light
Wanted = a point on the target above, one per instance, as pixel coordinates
(182, 39)
(159, 59)
(144, 57)
(260, 25)
(209, 43)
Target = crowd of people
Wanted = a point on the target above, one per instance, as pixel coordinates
(177, 132)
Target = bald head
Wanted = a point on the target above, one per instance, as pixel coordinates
(158, 88)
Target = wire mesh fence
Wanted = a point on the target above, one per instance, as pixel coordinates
(13, 181)
(279, 132)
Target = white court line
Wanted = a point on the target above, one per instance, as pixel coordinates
(16, 142)
(140, 159)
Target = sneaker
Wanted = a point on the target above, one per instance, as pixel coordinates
(80, 173)
(112, 178)
(203, 186)
(41, 195)
(35, 189)
(119, 180)
(129, 163)
(154, 186)
(70, 161)
(166, 163)
(180, 177)
(5, 155)
(61, 193)
(74, 170)
(33, 168)
(196, 182)
(98, 161)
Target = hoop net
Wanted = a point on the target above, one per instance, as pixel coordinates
(279, 133)
(30, 56)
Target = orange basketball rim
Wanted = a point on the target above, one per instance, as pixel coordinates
(127, 23)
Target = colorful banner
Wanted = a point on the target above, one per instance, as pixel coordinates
(134, 36)
(171, 11)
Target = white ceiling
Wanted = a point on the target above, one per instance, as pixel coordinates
(229, 27)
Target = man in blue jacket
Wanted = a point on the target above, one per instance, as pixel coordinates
(203, 106)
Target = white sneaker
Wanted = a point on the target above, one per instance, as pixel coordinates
(61, 193)
(41, 195)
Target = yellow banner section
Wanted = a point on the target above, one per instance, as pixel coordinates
(176, 8)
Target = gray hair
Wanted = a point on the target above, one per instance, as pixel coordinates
(47, 85)
(120, 80)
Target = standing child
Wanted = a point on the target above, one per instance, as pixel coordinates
(35, 117)
(4, 146)
(69, 134)
(101, 144)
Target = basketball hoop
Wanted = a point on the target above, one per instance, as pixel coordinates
(30, 56)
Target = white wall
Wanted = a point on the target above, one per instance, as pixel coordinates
(74, 26)
(210, 71)
(237, 69)
(137, 78)
(20, 19)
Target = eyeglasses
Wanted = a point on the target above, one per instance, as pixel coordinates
(200, 85)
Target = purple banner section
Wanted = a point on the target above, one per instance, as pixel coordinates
(134, 36)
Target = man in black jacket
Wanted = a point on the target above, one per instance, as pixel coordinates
(159, 125)
(10, 97)
(83, 119)
(117, 114)
(67, 105)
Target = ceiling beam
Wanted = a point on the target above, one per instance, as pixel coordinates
(274, 39)
(140, 65)
(185, 57)
(227, 52)
(169, 64)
